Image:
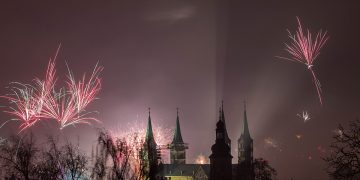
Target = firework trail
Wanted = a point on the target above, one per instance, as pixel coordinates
(270, 142)
(305, 116)
(32, 103)
(305, 48)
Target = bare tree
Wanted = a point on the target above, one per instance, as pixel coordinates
(118, 159)
(344, 158)
(263, 171)
(18, 156)
(50, 165)
(114, 153)
(73, 162)
(99, 169)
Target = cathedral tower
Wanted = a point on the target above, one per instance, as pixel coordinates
(222, 118)
(150, 151)
(245, 152)
(220, 159)
(177, 146)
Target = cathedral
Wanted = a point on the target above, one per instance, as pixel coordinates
(220, 167)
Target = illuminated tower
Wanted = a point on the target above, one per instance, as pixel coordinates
(177, 146)
(220, 159)
(222, 118)
(150, 156)
(245, 152)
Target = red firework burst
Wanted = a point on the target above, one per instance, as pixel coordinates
(305, 49)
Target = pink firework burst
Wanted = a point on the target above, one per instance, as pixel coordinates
(26, 101)
(24, 105)
(305, 48)
(67, 106)
(32, 103)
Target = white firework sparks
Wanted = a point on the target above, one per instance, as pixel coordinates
(2, 140)
(134, 133)
(305, 116)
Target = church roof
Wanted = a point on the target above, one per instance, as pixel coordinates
(245, 129)
(222, 118)
(177, 139)
(149, 131)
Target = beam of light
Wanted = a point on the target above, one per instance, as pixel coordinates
(304, 116)
(305, 48)
(201, 159)
(33, 103)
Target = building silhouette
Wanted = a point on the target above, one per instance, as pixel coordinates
(177, 146)
(220, 159)
(220, 167)
(245, 152)
(150, 152)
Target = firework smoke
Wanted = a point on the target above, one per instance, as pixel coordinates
(201, 159)
(321, 149)
(299, 136)
(134, 133)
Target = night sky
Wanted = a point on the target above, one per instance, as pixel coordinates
(166, 54)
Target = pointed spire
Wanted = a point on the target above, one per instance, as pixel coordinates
(177, 139)
(245, 131)
(220, 114)
(222, 119)
(149, 132)
(222, 111)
